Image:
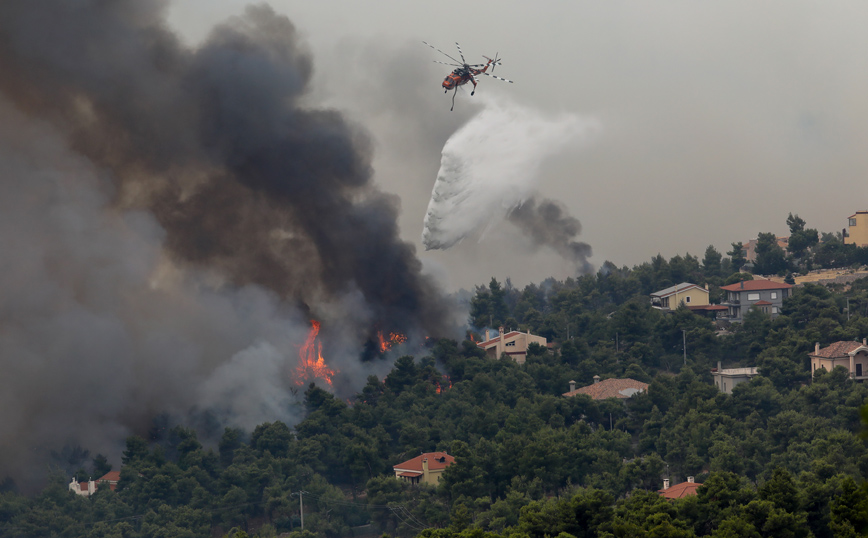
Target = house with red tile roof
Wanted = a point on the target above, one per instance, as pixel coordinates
(679, 491)
(110, 479)
(608, 388)
(851, 355)
(424, 469)
(513, 343)
(766, 295)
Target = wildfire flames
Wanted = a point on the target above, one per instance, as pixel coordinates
(393, 340)
(311, 364)
(440, 387)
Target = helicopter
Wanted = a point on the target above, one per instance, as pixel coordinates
(464, 72)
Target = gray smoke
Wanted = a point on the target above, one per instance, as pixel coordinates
(215, 143)
(169, 221)
(548, 224)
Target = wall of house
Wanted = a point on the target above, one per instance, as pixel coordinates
(691, 297)
(858, 234)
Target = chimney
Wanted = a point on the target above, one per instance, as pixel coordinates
(596, 379)
(424, 468)
(572, 385)
(689, 479)
(718, 367)
(742, 284)
(665, 484)
(816, 348)
(865, 341)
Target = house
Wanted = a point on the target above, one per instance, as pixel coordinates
(851, 355)
(110, 479)
(748, 250)
(513, 343)
(857, 231)
(609, 388)
(424, 469)
(726, 379)
(684, 293)
(766, 295)
(88, 488)
(82, 488)
(679, 491)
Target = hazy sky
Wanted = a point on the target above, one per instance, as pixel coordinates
(715, 119)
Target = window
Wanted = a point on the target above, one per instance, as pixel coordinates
(753, 296)
(859, 370)
(852, 222)
(774, 295)
(687, 299)
(774, 310)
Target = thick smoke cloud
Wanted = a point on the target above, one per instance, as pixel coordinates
(490, 166)
(170, 219)
(548, 224)
(216, 144)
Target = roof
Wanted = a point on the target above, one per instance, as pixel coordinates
(837, 350)
(749, 371)
(762, 303)
(671, 290)
(756, 285)
(857, 213)
(496, 338)
(436, 461)
(679, 491)
(611, 388)
(111, 476)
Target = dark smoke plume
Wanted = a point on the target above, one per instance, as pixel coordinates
(549, 224)
(169, 217)
(214, 142)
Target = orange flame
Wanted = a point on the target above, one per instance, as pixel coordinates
(439, 386)
(311, 364)
(393, 340)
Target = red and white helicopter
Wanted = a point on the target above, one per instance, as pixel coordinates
(464, 72)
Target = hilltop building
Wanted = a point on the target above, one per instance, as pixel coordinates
(679, 491)
(725, 379)
(424, 469)
(513, 343)
(674, 296)
(608, 388)
(766, 295)
(857, 231)
(851, 355)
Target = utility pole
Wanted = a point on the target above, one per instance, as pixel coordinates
(301, 506)
(684, 344)
(848, 309)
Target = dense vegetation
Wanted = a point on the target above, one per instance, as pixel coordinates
(781, 456)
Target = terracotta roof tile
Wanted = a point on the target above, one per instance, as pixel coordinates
(434, 462)
(111, 476)
(679, 491)
(611, 388)
(763, 303)
(756, 285)
(837, 350)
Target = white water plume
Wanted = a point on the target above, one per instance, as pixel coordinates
(490, 166)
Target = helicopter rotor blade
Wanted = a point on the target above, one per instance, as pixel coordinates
(441, 52)
(460, 53)
(444, 63)
(498, 78)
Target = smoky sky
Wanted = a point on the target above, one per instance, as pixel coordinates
(699, 102)
(171, 218)
(548, 224)
(214, 142)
